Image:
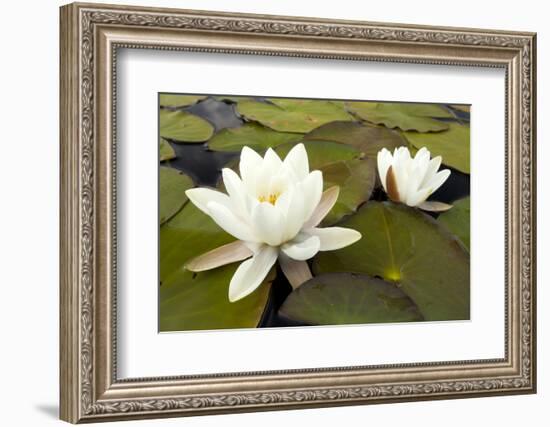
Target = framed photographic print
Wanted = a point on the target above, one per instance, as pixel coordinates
(265, 212)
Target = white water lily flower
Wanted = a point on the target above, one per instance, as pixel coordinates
(412, 180)
(273, 208)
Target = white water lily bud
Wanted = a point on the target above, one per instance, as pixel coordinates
(411, 180)
(273, 208)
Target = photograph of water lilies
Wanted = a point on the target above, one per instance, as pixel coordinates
(278, 212)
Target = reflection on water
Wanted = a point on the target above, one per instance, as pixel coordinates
(204, 166)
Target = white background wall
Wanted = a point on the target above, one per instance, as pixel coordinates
(29, 170)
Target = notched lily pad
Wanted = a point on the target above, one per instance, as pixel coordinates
(183, 126)
(403, 245)
(457, 220)
(453, 145)
(166, 152)
(405, 116)
(368, 139)
(175, 101)
(346, 298)
(172, 187)
(253, 135)
(198, 301)
(292, 115)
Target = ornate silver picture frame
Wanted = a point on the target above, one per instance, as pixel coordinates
(90, 36)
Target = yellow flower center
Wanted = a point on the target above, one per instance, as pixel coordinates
(272, 198)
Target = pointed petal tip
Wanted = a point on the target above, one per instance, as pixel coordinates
(333, 238)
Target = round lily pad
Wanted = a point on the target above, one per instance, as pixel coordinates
(405, 116)
(183, 126)
(347, 298)
(253, 135)
(172, 187)
(457, 220)
(175, 101)
(453, 145)
(166, 152)
(405, 246)
(198, 301)
(368, 139)
(292, 115)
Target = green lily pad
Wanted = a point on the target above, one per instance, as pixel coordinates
(292, 115)
(174, 101)
(403, 245)
(198, 301)
(356, 179)
(321, 153)
(405, 116)
(452, 145)
(346, 298)
(166, 151)
(252, 135)
(366, 138)
(172, 187)
(183, 126)
(457, 220)
(461, 107)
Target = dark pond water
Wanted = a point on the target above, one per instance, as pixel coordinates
(205, 166)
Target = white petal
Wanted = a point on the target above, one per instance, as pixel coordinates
(438, 180)
(422, 154)
(413, 186)
(414, 199)
(291, 206)
(312, 190)
(297, 272)
(270, 178)
(272, 163)
(237, 191)
(333, 238)
(298, 161)
(328, 199)
(431, 170)
(268, 223)
(302, 248)
(226, 254)
(249, 165)
(278, 183)
(384, 160)
(201, 196)
(421, 162)
(251, 273)
(401, 160)
(230, 222)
